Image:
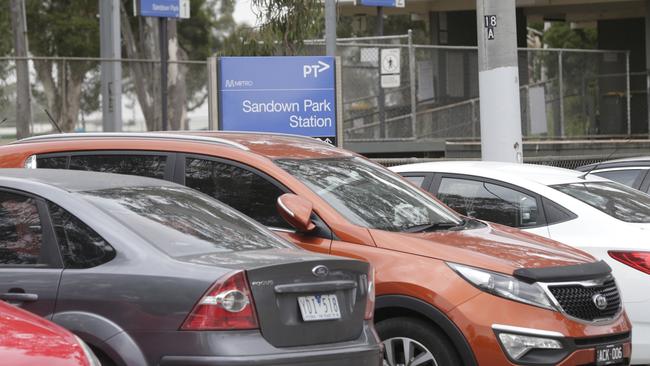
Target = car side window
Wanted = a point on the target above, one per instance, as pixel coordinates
(489, 202)
(21, 232)
(555, 213)
(237, 187)
(415, 180)
(625, 176)
(152, 166)
(80, 246)
(59, 162)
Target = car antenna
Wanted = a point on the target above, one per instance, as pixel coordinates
(584, 176)
(52, 120)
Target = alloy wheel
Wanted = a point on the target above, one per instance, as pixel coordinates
(401, 351)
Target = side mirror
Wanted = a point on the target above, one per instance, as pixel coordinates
(296, 211)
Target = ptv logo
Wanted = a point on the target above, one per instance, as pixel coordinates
(314, 70)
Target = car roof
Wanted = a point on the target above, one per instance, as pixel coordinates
(271, 145)
(509, 172)
(624, 162)
(76, 180)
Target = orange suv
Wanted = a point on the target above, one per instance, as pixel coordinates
(451, 290)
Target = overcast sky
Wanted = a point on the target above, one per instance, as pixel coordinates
(243, 13)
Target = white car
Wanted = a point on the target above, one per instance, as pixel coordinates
(604, 218)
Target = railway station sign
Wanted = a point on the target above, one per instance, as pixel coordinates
(295, 95)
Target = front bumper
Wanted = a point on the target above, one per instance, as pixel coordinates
(477, 319)
(243, 348)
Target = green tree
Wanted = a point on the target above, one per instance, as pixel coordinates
(195, 38)
(65, 29)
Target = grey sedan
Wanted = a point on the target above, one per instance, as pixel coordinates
(152, 273)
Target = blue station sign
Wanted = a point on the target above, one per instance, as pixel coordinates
(164, 8)
(384, 3)
(295, 95)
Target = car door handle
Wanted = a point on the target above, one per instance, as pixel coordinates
(18, 296)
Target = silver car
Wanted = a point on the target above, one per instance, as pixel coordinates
(149, 272)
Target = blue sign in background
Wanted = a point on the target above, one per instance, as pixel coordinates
(295, 95)
(386, 3)
(160, 8)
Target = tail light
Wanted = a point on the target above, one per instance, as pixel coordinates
(370, 300)
(637, 260)
(228, 305)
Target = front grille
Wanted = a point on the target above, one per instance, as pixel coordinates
(577, 300)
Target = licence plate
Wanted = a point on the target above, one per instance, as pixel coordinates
(610, 354)
(319, 307)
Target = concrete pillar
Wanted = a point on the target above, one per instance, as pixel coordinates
(499, 81)
(111, 71)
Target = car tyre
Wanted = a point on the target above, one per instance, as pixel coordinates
(412, 342)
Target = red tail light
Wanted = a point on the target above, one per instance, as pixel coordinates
(637, 260)
(370, 301)
(228, 305)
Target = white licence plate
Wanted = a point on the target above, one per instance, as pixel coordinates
(319, 307)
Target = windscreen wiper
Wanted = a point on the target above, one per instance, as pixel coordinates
(434, 226)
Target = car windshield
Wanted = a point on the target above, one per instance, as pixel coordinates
(370, 196)
(614, 199)
(181, 221)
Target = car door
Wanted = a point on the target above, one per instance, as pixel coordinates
(30, 264)
(492, 201)
(249, 191)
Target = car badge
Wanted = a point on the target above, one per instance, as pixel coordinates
(600, 301)
(320, 271)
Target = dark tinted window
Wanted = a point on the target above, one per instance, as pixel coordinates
(367, 194)
(51, 163)
(181, 221)
(152, 166)
(81, 246)
(614, 199)
(21, 234)
(556, 213)
(237, 187)
(627, 176)
(489, 202)
(415, 180)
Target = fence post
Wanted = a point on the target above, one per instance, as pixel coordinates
(627, 93)
(213, 101)
(561, 81)
(412, 77)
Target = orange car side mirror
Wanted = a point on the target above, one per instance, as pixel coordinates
(296, 211)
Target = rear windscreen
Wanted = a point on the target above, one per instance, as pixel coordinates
(181, 221)
(614, 199)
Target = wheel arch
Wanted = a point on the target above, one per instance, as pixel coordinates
(388, 305)
(98, 332)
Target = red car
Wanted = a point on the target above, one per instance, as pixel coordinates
(26, 339)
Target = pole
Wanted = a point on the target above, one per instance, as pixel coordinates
(23, 91)
(381, 97)
(213, 98)
(561, 82)
(647, 59)
(330, 27)
(628, 97)
(164, 56)
(499, 81)
(413, 80)
(111, 71)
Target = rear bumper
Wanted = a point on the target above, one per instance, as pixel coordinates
(353, 356)
(242, 348)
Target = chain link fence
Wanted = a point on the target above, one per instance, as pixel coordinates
(70, 90)
(564, 93)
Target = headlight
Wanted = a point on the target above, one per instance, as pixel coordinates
(90, 355)
(505, 286)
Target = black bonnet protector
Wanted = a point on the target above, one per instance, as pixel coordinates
(578, 272)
